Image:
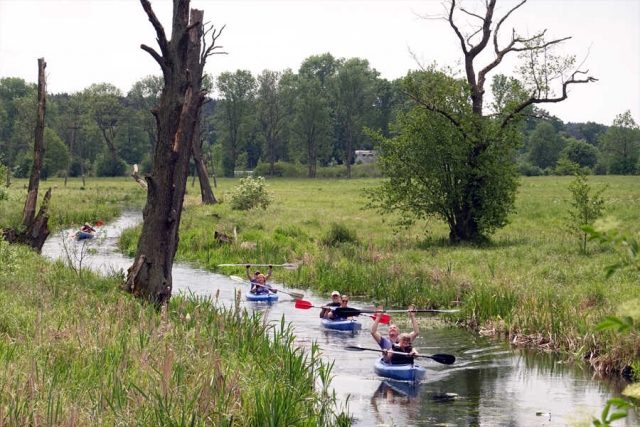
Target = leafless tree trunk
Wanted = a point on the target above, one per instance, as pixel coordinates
(213, 172)
(28, 214)
(36, 227)
(203, 176)
(182, 60)
(73, 137)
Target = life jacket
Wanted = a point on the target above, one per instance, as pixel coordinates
(401, 359)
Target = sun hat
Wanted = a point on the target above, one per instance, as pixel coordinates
(257, 272)
(334, 293)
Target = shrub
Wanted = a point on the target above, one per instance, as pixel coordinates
(106, 166)
(251, 193)
(527, 169)
(339, 233)
(281, 169)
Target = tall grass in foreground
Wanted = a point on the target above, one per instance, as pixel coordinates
(77, 351)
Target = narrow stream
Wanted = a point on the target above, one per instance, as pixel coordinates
(489, 385)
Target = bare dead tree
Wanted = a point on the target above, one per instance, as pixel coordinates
(35, 226)
(206, 192)
(539, 76)
(542, 75)
(181, 59)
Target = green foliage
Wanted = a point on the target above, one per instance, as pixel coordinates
(339, 233)
(234, 118)
(586, 206)
(580, 152)
(3, 173)
(463, 173)
(249, 194)
(622, 324)
(619, 325)
(95, 347)
(108, 167)
(280, 169)
(621, 144)
(544, 145)
(56, 154)
(527, 169)
(565, 166)
(628, 260)
(608, 417)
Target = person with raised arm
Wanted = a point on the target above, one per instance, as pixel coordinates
(259, 281)
(387, 342)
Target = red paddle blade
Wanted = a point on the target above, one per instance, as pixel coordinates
(99, 223)
(305, 305)
(385, 319)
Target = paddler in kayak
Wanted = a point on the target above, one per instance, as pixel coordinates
(385, 343)
(401, 353)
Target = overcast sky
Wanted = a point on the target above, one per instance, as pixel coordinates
(94, 41)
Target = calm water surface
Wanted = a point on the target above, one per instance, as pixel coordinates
(489, 385)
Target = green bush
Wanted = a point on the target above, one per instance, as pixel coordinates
(281, 169)
(106, 166)
(250, 194)
(339, 233)
(527, 169)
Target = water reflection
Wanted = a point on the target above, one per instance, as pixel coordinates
(489, 385)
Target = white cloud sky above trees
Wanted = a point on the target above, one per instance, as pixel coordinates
(95, 41)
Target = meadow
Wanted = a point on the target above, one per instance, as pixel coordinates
(532, 284)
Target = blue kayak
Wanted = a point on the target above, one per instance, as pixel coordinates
(82, 235)
(341, 325)
(400, 372)
(269, 297)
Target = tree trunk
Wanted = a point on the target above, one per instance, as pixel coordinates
(29, 211)
(36, 227)
(150, 275)
(205, 187)
(348, 150)
(73, 136)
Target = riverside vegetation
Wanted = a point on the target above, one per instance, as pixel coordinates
(75, 350)
(533, 284)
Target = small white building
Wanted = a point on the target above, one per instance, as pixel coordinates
(366, 156)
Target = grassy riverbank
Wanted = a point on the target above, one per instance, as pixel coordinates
(532, 283)
(74, 350)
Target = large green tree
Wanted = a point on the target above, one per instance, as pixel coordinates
(144, 96)
(354, 86)
(311, 127)
(544, 145)
(581, 153)
(18, 101)
(274, 98)
(621, 143)
(235, 113)
(469, 178)
(104, 103)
